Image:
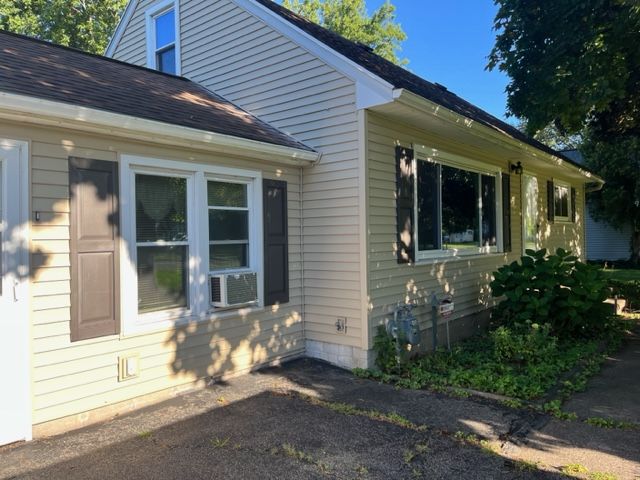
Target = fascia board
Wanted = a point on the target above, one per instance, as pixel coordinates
(45, 112)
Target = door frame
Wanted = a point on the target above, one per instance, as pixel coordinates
(523, 200)
(23, 365)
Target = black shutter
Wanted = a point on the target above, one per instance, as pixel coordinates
(573, 205)
(405, 204)
(550, 203)
(276, 246)
(506, 212)
(94, 227)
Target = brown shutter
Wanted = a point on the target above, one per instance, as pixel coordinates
(573, 205)
(276, 246)
(506, 212)
(405, 204)
(550, 201)
(95, 299)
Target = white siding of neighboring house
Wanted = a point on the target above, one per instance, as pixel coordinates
(605, 242)
(239, 57)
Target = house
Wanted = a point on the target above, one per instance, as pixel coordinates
(604, 242)
(123, 190)
(407, 168)
(167, 235)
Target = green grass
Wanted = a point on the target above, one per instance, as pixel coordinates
(621, 275)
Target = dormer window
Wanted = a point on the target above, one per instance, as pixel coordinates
(163, 49)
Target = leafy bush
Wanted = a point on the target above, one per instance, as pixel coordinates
(555, 289)
(531, 346)
(385, 348)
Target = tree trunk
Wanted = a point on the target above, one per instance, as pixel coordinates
(635, 248)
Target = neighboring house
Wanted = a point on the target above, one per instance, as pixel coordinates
(604, 242)
(122, 190)
(175, 238)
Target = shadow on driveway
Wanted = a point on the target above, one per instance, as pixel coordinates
(263, 425)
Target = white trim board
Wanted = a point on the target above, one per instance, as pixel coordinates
(122, 24)
(17, 186)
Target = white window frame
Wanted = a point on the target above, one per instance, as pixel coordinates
(423, 153)
(150, 15)
(198, 293)
(562, 218)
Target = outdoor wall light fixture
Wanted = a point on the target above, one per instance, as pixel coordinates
(516, 168)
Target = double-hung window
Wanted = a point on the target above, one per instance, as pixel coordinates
(455, 208)
(163, 49)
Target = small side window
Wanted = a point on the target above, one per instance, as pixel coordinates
(561, 202)
(163, 49)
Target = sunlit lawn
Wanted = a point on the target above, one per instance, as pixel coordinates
(622, 274)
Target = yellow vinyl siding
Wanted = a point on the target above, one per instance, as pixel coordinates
(236, 55)
(71, 378)
(467, 278)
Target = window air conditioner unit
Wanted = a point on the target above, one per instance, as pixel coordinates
(231, 289)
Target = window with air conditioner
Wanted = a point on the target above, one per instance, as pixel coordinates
(194, 240)
(231, 279)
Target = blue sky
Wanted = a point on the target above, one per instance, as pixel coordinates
(448, 42)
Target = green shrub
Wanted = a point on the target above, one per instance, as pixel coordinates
(555, 289)
(385, 348)
(529, 346)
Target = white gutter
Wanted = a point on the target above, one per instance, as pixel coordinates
(37, 111)
(418, 102)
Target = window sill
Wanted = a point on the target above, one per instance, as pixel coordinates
(457, 257)
(170, 324)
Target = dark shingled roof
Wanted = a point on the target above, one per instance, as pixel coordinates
(401, 78)
(52, 72)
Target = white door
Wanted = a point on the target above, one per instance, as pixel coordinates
(15, 405)
(530, 225)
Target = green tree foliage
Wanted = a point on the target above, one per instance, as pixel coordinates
(350, 18)
(575, 65)
(618, 203)
(571, 62)
(552, 137)
(83, 24)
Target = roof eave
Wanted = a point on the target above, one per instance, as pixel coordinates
(62, 115)
(413, 100)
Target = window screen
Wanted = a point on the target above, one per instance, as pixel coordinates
(162, 242)
(228, 225)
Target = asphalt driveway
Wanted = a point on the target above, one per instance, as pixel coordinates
(307, 420)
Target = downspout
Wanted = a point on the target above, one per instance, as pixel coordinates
(303, 302)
